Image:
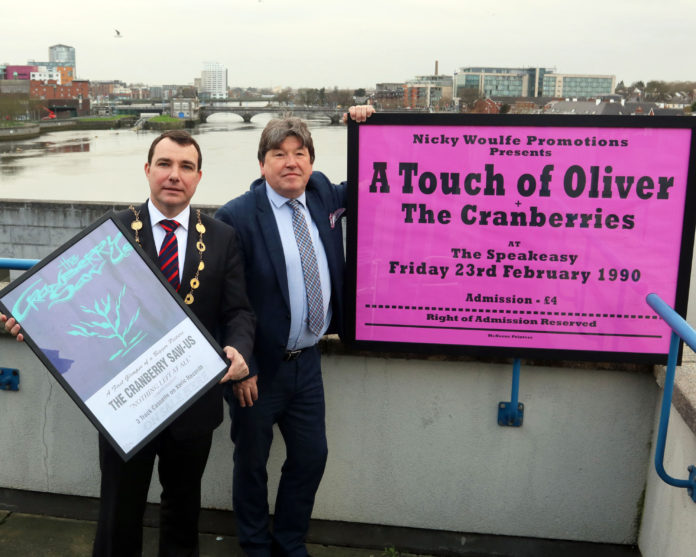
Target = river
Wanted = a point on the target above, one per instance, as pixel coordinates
(107, 165)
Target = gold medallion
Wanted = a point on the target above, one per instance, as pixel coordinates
(189, 299)
(200, 228)
(201, 266)
(137, 224)
(194, 283)
(200, 246)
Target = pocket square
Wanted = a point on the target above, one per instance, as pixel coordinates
(336, 216)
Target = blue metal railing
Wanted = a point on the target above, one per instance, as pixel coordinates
(9, 378)
(511, 413)
(17, 264)
(680, 329)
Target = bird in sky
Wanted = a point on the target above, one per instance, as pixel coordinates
(118, 34)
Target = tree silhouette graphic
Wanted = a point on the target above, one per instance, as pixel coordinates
(110, 326)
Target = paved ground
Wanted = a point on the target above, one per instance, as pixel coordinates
(29, 535)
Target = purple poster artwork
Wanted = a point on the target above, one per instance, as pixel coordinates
(543, 238)
(88, 309)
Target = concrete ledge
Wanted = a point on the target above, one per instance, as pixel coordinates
(334, 533)
(684, 396)
(38, 227)
(104, 206)
(19, 133)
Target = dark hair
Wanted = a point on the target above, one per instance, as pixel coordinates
(177, 136)
(277, 131)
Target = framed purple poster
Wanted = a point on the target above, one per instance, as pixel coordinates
(114, 334)
(520, 236)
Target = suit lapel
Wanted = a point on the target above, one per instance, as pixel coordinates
(271, 236)
(191, 261)
(147, 242)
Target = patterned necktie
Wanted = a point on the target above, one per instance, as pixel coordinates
(169, 253)
(310, 269)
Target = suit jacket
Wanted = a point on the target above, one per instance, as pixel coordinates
(264, 263)
(220, 303)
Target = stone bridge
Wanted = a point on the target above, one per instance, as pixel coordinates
(248, 112)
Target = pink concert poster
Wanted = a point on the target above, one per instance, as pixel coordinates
(531, 235)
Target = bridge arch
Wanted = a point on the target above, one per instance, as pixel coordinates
(247, 113)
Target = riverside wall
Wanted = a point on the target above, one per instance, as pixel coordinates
(20, 133)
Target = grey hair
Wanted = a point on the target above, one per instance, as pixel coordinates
(278, 130)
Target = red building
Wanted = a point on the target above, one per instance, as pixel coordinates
(51, 90)
(485, 106)
(64, 100)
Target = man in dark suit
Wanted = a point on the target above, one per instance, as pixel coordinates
(212, 284)
(291, 237)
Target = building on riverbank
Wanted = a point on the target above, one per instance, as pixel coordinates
(530, 82)
(213, 81)
(63, 55)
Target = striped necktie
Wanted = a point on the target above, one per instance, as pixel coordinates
(169, 253)
(310, 269)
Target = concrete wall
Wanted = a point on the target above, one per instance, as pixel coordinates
(33, 229)
(416, 443)
(19, 133)
(411, 443)
(670, 514)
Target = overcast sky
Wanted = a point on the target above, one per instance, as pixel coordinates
(353, 43)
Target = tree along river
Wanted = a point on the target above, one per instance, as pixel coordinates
(108, 165)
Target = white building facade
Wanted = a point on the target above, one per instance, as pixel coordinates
(213, 81)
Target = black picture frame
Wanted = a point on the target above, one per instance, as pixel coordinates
(149, 391)
(424, 121)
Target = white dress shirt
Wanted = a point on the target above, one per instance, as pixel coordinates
(181, 232)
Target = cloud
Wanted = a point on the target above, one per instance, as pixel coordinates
(317, 43)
